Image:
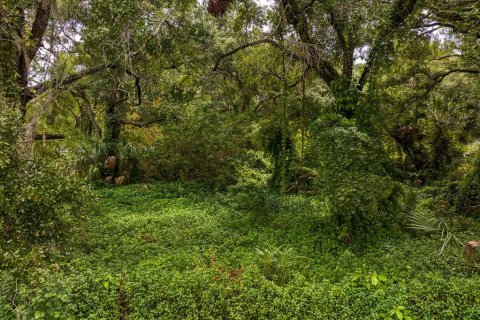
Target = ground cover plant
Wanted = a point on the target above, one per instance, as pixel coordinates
(181, 252)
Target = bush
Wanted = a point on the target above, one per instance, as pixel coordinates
(38, 199)
(468, 199)
(353, 180)
(197, 147)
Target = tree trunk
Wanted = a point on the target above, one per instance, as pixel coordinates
(113, 127)
(18, 48)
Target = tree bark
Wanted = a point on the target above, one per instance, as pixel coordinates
(28, 51)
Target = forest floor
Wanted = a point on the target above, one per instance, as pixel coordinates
(173, 251)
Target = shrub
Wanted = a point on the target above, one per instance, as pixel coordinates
(38, 199)
(280, 145)
(50, 300)
(197, 147)
(468, 199)
(353, 180)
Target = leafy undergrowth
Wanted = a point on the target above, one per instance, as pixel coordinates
(174, 251)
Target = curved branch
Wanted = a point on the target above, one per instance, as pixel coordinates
(144, 124)
(40, 88)
(244, 46)
(324, 69)
(436, 80)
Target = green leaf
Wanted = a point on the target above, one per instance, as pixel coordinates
(399, 314)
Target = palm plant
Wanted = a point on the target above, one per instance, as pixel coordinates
(427, 221)
(277, 263)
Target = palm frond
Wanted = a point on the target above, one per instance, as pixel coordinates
(427, 221)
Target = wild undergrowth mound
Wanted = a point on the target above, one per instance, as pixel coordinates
(354, 182)
(40, 200)
(468, 199)
(176, 251)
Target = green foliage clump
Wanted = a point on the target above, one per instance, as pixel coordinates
(280, 144)
(277, 264)
(250, 192)
(215, 293)
(353, 180)
(468, 198)
(38, 199)
(49, 300)
(204, 146)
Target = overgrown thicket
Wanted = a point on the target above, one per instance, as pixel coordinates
(144, 92)
(352, 176)
(39, 198)
(347, 119)
(468, 199)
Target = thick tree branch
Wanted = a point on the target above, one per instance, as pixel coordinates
(295, 185)
(40, 88)
(401, 10)
(298, 19)
(441, 76)
(38, 27)
(345, 44)
(338, 30)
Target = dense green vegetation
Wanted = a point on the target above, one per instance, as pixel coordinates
(239, 159)
(178, 251)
